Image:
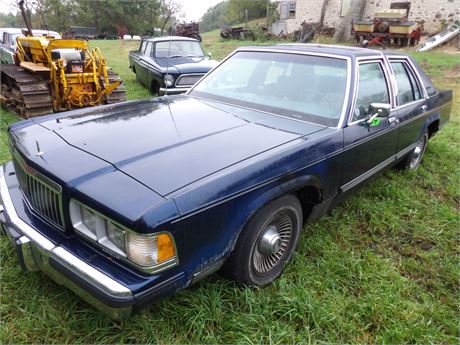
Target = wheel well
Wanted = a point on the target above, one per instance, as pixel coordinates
(308, 196)
(433, 128)
(155, 86)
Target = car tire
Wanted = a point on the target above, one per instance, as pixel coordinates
(266, 244)
(414, 158)
(155, 88)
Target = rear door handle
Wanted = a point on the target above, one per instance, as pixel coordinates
(393, 120)
(424, 108)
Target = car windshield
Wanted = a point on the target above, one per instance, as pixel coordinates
(307, 88)
(178, 49)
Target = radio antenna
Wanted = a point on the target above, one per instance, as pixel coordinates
(166, 85)
(167, 58)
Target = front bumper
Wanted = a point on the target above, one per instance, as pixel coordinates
(37, 252)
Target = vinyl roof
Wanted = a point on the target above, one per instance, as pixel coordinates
(169, 38)
(347, 51)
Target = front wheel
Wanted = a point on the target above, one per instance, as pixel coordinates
(414, 158)
(266, 244)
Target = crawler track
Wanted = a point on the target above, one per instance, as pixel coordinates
(28, 94)
(117, 95)
(25, 93)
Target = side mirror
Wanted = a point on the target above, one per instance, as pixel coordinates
(381, 109)
(377, 110)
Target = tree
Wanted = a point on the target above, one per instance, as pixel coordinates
(235, 10)
(169, 11)
(214, 17)
(137, 16)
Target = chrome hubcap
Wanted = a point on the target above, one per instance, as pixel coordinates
(273, 242)
(270, 243)
(417, 154)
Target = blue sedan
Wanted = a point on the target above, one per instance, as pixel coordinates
(128, 203)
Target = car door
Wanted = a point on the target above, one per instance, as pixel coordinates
(142, 71)
(411, 104)
(369, 147)
(135, 55)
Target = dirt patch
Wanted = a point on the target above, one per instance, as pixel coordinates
(453, 73)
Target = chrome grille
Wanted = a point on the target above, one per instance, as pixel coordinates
(43, 195)
(188, 79)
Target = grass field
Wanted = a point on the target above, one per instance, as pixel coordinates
(382, 268)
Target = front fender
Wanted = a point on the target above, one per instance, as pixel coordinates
(289, 186)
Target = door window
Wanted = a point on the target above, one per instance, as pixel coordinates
(372, 89)
(408, 89)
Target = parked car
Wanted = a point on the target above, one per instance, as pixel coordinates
(128, 203)
(8, 41)
(169, 63)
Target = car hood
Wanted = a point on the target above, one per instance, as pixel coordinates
(188, 64)
(168, 143)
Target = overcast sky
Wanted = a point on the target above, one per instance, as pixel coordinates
(5, 6)
(192, 9)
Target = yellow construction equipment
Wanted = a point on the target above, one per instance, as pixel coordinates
(57, 75)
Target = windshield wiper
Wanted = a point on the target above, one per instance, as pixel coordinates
(175, 56)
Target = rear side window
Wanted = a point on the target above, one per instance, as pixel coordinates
(408, 89)
(148, 49)
(372, 89)
(142, 47)
(429, 87)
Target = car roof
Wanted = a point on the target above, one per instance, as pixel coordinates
(11, 30)
(34, 31)
(169, 38)
(346, 51)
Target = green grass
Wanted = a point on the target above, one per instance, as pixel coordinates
(382, 268)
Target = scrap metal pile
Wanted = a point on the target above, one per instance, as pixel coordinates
(388, 26)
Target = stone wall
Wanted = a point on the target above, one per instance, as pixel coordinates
(434, 13)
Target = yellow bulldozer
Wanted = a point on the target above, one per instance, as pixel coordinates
(56, 75)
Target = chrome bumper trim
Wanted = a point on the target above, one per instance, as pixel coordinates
(174, 90)
(32, 241)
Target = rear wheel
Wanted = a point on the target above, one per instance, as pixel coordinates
(414, 158)
(266, 244)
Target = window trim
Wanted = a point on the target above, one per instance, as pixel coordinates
(380, 60)
(415, 74)
(348, 92)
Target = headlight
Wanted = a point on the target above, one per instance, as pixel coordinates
(83, 220)
(150, 252)
(169, 80)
